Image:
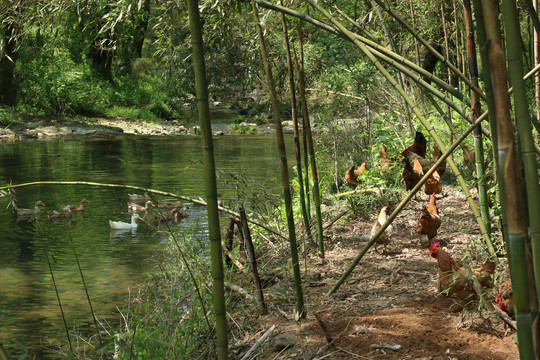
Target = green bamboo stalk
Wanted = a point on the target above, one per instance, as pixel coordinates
(424, 122)
(294, 113)
(201, 88)
(301, 312)
(476, 109)
(511, 190)
(482, 40)
(376, 48)
(402, 204)
(430, 48)
(528, 156)
(304, 130)
(448, 114)
(311, 148)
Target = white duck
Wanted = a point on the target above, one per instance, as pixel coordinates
(119, 225)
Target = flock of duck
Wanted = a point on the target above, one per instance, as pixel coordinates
(168, 211)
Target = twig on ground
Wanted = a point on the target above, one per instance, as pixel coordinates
(259, 342)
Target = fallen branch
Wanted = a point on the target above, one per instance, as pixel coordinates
(358, 191)
(259, 342)
(240, 290)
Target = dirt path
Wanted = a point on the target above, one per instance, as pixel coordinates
(388, 301)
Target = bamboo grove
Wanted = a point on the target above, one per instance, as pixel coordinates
(491, 98)
(489, 94)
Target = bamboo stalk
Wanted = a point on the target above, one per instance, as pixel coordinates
(301, 312)
(424, 122)
(511, 188)
(298, 154)
(253, 261)
(429, 47)
(476, 109)
(311, 148)
(528, 156)
(201, 87)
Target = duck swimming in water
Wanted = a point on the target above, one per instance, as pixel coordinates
(35, 211)
(119, 225)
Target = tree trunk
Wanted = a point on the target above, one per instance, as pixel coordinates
(8, 89)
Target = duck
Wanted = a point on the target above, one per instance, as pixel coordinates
(133, 208)
(119, 225)
(220, 203)
(176, 215)
(65, 214)
(80, 207)
(35, 211)
(169, 205)
(139, 198)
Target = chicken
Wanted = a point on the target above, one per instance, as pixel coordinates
(351, 178)
(384, 163)
(425, 163)
(452, 278)
(429, 221)
(441, 169)
(433, 184)
(419, 145)
(411, 174)
(384, 239)
(505, 298)
(360, 169)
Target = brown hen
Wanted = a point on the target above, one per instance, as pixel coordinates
(411, 175)
(433, 184)
(429, 221)
(384, 163)
(452, 278)
(351, 178)
(419, 145)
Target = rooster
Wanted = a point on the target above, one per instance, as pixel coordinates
(429, 221)
(452, 278)
(419, 145)
(384, 163)
(433, 184)
(351, 178)
(505, 297)
(411, 174)
(384, 239)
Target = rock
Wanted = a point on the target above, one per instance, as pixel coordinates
(282, 341)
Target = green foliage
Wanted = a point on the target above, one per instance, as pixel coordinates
(237, 129)
(8, 116)
(51, 83)
(365, 205)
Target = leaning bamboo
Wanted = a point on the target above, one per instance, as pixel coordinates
(216, 254)
(422, 119)
(402, 204)
(292, 90)
(455, 70)
(311, 148)
(284, 169)
(524, 132)
(517, 234)
(476, 110)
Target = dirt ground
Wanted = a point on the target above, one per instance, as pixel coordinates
(388, 307)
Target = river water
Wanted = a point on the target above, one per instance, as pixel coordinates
(112, 263)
